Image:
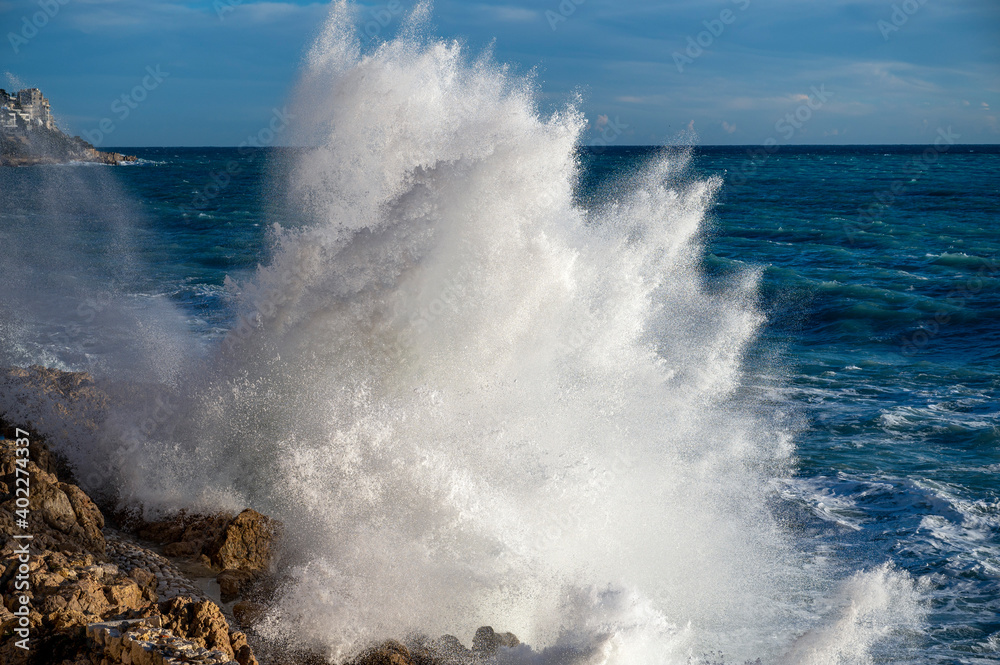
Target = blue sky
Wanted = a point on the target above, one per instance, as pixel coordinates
(734, 71)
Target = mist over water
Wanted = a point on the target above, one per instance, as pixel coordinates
(71, 275)
(474, 402)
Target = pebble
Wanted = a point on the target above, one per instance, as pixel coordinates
(170, 582)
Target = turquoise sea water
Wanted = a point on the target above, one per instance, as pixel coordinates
(880, 283)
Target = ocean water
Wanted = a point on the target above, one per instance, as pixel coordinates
(636, 405)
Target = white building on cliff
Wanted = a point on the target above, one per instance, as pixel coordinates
(26, 110)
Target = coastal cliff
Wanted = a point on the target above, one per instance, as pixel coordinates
(29, 135)
(45, 146)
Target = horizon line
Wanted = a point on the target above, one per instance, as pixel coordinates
(603, 147)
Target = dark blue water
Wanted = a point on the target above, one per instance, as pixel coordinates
(881, 285)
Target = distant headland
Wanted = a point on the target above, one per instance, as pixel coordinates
(29, 136)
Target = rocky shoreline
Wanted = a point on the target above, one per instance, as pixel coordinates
(42, 146)
(86, 586)
(91, 590)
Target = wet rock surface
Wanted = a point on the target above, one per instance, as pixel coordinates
(246, 542)
(100, 595)
(62, 572)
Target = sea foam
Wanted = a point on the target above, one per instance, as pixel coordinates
(473, 401)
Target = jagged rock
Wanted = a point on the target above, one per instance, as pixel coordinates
(51, 503)
(247, 543)
(184, 534)
(61, 516)
(88, 516)
(63, 403)
(234, 583)
(445, 650)
(146, 582)
(163, 531)
(241, 649)
(247, 613)
(389, 652)
(202, 622)
(486, 642)
(146, 642)
(74, 585)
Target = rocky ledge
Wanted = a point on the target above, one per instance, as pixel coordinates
(47, 146)
(82, 586)
(76, 593)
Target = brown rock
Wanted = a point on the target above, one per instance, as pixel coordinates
(146, 581)
(88, 515)
(125, 595)
(248, 543)
(185, 535)
(390, 652)
(244, 654)
(486, 642)
(247, 613)
(198, 621)
(72, 403)
(234, 583)
(162, 531)
(72, 583)
(52, 504)
(86, 597)
(446, 650)
(62, 517)
(204, 529)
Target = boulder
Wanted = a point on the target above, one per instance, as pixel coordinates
(247, 613)
(185, 534)
(389, 652)
(74, 585)
(199, 621)
(445, 650)
(234, 584)
(247, 543)
(486, 641)
(61, 516)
